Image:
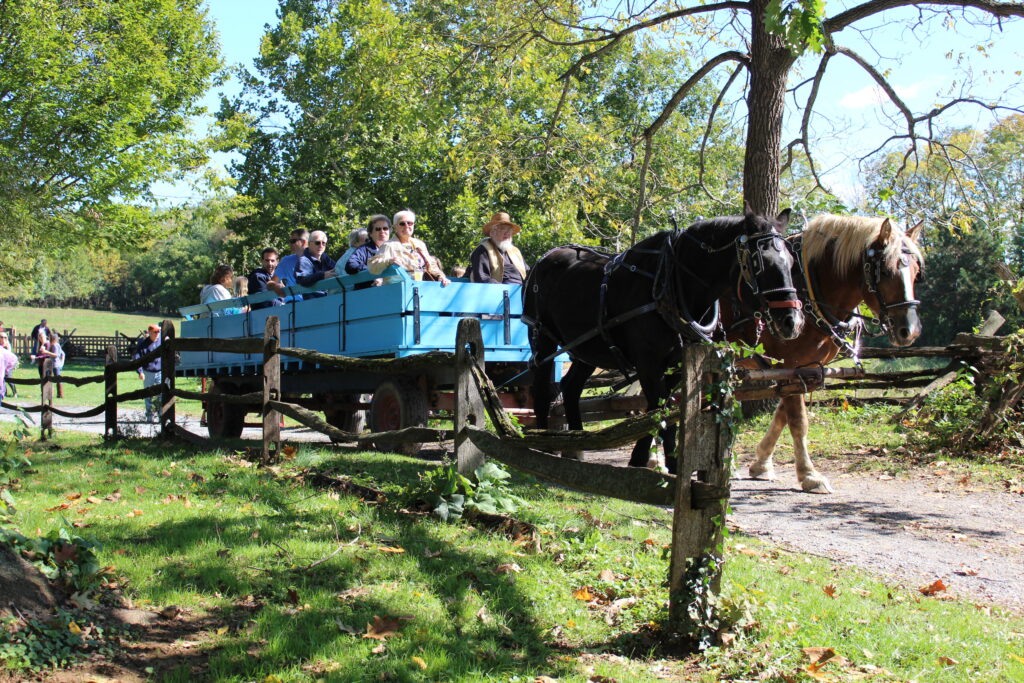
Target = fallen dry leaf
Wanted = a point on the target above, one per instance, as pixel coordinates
(606, 575)
(353, 593)
(389, 549)
(170, 612)
(62, 506)
(819, 655)
(948, 661)
(94, 500)
(73, 496)
(65, 552)
(380, 649)
(583, 594)
(418, 661)
(932, 589)
(384, 627)
(508, 568)
(830, 590)
(346, 628)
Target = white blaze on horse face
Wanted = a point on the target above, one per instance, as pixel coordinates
(907, 278)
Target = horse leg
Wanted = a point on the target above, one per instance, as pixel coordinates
(763, 467)
(572, 389)
(668, 435)
(810, 479)
(653, 383)
(542, 374)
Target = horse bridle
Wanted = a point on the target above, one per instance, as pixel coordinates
(750, 254)
(873, 270)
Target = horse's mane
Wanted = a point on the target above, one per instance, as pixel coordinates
(850, 236)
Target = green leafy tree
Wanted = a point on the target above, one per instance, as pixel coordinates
(360, 108)
(754, 52)
(97, 100)
(974, 222)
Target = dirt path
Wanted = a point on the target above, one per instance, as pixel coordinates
(909, 529)
(914, 529)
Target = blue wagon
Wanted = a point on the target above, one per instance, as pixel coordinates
(400, 318)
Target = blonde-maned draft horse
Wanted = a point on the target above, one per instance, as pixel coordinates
(841, 261)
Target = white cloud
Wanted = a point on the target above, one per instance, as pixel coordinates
(872, 96)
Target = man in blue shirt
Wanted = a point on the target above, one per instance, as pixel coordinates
(260, 280)
(285, 272)
(315, 265)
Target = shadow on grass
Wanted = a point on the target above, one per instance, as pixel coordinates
(470, 621)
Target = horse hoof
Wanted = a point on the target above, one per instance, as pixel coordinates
(573, 455)
(762, 471)
(816, 484)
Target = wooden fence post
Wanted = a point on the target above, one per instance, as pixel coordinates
(271, 389)
(110, 394)
(167, 400)
(469, 404)
(46, 400)
(697, 533)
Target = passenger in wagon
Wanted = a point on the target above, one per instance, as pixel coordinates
(260, 280)
(425, 268)
(284, 276)
(497, 260)
(356, 239)
(221, 282)
(315, 265)
(393, 253)
(379, 230)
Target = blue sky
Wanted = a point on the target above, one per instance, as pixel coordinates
(924, 68)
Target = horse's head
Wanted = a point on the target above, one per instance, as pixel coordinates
(766, 265)
(892, 264)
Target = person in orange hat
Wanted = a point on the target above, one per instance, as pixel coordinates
(497, 260)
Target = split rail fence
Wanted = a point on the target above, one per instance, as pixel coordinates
(698, 493)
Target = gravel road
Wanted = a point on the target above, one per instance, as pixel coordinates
(913, 529)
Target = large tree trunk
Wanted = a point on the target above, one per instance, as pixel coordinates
(770, 61)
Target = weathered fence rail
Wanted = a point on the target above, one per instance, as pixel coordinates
(699, 493)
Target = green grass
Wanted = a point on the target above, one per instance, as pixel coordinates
(217, 536)
(84, 322)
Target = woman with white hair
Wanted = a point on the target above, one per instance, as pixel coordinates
(416, 249)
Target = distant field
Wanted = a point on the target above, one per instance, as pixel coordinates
(106, 323)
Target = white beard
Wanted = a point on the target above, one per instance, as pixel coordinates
(503, 245)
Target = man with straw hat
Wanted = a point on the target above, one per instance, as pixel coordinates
(497, 260)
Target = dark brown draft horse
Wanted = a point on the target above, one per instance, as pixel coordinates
(841, 262)
(634, 311)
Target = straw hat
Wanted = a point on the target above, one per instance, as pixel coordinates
(500, 218)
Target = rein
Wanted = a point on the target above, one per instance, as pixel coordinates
(836, 328)
(667, 292)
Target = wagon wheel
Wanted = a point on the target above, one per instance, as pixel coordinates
(398, 404)
(353, 421)
(223, 420)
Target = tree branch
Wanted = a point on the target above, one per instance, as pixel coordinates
(648, 135)
(614, 38)
(844, 19)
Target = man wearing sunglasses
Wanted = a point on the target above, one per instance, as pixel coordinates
(284, 274)
(315, 265)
